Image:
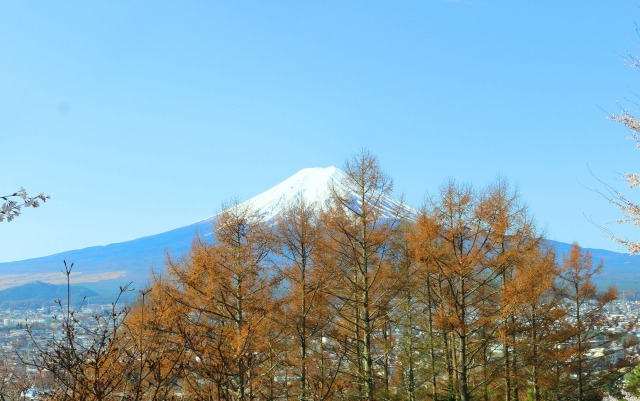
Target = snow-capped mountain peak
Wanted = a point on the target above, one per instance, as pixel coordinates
(315, 186)
(312, 184)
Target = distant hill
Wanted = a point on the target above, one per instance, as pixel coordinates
(38, 293)
(620, 269)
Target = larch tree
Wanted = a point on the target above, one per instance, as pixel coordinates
(473, 242)
(456, 251)
(584, 320)
(536, 308)
(306, 313)
(228, 291)
(412, 375)
(433, 341)
(510, 235)
(155, 344)
(361, 224)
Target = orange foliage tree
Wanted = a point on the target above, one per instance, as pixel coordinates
(155, 344)
(469, 244)
(307, 318)
(225, 291)
(361, 225)
(536, 309)
(584, 320)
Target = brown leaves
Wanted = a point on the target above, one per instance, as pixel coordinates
(223, 303)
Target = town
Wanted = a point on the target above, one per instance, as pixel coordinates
(26, 331)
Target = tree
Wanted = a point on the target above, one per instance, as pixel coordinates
(472, 242)
(154, 345)
(361, 225)
(629, 210)
(306, 313)
(87, 360)
(514, 236)
(537, 307)
(411, 304)
(12, 382)
(12, 204)
(224, 297)
(585, 319)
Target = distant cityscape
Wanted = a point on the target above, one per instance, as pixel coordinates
(17, 345)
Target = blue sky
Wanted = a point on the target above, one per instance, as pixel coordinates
(139, 117)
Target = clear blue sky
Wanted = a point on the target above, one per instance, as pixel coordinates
(138, 117)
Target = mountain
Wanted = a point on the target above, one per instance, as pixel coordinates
(105, 268)
(38, 293)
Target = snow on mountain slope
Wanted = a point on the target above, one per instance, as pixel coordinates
(311, 183)
(315, 186)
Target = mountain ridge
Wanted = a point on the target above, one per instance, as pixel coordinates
(38, 293)
(114, 264)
